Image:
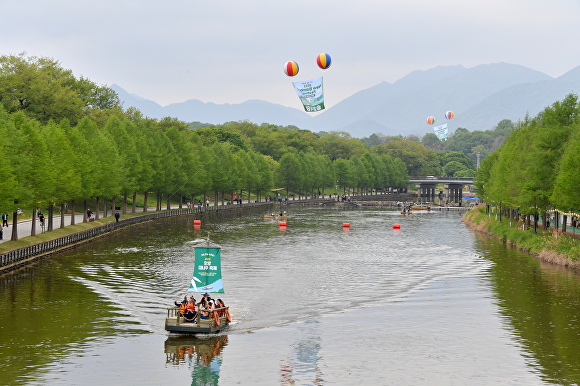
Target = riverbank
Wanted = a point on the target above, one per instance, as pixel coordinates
(551, 245)
(14, 254)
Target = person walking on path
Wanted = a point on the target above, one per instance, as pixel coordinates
(4, 220)
(117, 216)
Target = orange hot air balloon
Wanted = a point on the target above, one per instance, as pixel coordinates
(449, 115)
(430, 120)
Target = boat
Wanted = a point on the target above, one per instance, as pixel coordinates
(206, 279)
(421, 207)
(277, 216)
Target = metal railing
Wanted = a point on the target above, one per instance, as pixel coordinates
(21, 255)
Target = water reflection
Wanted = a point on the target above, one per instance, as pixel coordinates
(541, 305)
(439, 296)
(202, 356)
(302, 367)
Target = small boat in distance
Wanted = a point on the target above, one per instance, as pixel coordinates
(421, 207)
(195, 318)
(280, 216)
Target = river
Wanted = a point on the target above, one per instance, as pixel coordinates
(312, 304)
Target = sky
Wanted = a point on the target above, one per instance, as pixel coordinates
(230, 51)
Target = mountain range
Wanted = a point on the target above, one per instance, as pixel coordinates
(480, 97)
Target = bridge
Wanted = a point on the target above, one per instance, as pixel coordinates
(334, 202)
(442, 180)
(427, 187)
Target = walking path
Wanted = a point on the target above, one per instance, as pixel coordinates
(25, 226)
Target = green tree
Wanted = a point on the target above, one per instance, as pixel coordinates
(64, 181)
(42, 89)
(288, 172)
(338, 144)
(343, 173)
(451, 168)
(265, 178)
(418, 160)
(566, 194)
(8, 191)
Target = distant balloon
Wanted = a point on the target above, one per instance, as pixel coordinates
(291, 68)
(430, 120)
(324, 61)
(449, 115)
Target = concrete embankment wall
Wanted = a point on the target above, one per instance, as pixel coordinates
(23, 256)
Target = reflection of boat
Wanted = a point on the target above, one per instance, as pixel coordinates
(207, 272)
(202, 356)
(179, 349)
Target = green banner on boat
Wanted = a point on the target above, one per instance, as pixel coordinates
(207, 271)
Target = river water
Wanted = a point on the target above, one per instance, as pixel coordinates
(313, 304)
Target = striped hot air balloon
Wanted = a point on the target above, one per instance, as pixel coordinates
(291, 68)
(449, 115)
(430, 120)
(324, 61)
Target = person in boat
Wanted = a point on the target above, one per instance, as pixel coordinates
(224, 311)
(203, 313)
(184, 301)
(189, 312)
(219, 304)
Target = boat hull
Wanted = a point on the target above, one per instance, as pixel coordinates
(177, 324)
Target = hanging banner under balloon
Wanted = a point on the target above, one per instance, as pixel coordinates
(441, 132)
(311, 94)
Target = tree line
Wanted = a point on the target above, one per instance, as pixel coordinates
(67, 141)
(91, 150)
(535, 171)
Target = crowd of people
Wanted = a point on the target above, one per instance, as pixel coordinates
(204, 309)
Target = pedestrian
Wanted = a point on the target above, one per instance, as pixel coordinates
(4, 220)
(89, 214)
(117, 216)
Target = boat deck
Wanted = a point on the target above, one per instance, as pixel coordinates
(178, 324)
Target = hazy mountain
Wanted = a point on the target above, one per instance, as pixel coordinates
(480, 97)
(405, 108)
(256, 111)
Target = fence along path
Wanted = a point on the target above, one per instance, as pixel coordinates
(22, 256)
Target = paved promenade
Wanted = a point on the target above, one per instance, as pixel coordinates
(25, 226)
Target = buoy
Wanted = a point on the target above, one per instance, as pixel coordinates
(282, 223)
(346, 225)
(196, 222)
(396, 226)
